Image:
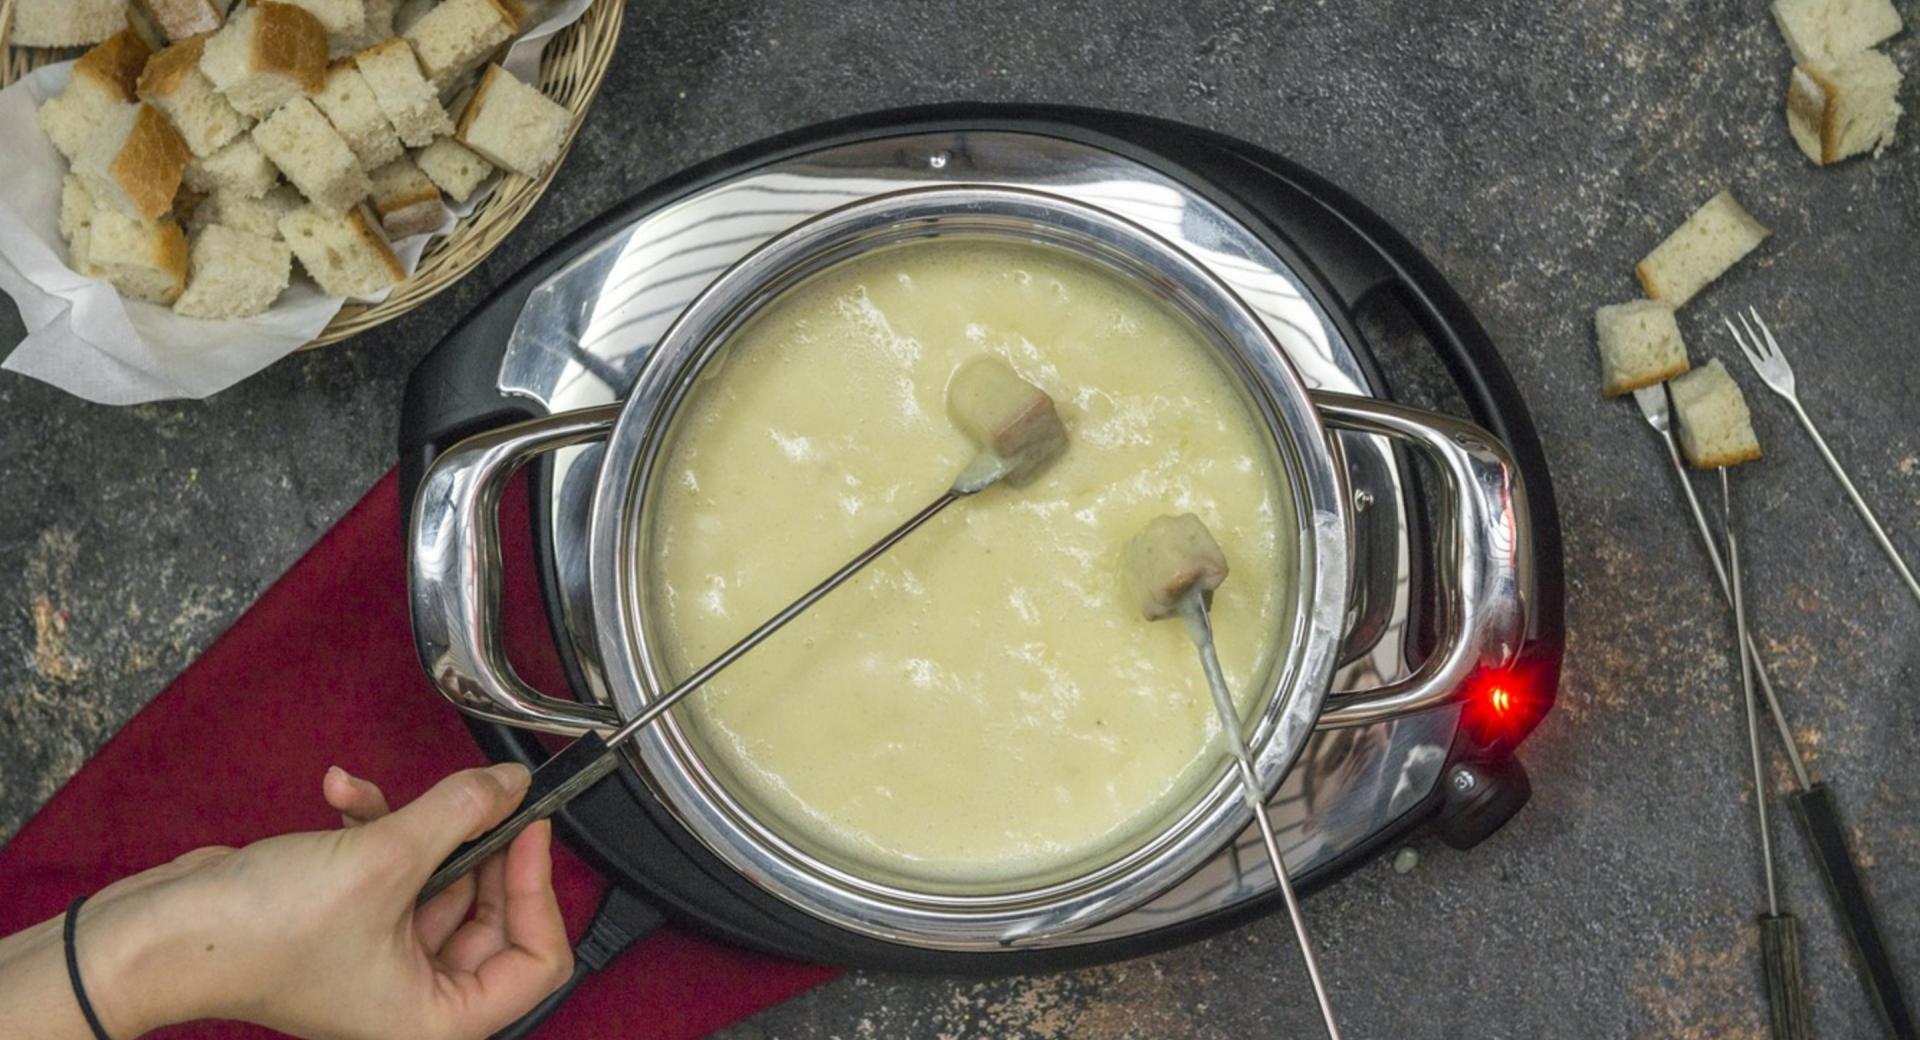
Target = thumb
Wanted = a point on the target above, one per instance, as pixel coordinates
(458, 808)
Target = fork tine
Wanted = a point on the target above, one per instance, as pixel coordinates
(1773, 345)
(1752, 357)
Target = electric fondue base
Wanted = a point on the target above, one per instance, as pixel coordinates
(572, 330)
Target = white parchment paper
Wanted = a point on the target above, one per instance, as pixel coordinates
(85, 339)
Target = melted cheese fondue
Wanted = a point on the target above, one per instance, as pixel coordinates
(984, 702)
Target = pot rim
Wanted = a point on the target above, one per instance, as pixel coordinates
(1295, 689)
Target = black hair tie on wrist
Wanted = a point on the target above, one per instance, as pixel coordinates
(73, 972)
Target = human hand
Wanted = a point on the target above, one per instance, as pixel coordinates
(317, 934)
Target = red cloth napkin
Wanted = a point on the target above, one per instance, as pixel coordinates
(321, 671)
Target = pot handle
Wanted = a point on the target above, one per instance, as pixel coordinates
(1485, 559)
(453, 574)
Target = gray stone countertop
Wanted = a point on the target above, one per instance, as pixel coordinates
(1534, 152)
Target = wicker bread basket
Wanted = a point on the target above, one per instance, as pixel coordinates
(571, 70)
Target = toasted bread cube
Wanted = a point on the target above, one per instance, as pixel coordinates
(457, 36)
(255, 216)
(103, 80)
(454, 167)
(241, 168)
(350, 106)
(313, 155)
(344, 252)
(1716, 429)
(234, 274)
(174, 84)
(1640, 345)
(407, 201)
(179, 20)
(410, 102)
(66, 23)
(1712, 240)
(1822, 30)
(1171, 557)
(266, 55)
(1844, 107)
(513, 125)
(145, 261)
(134, 162)
(1007, 417)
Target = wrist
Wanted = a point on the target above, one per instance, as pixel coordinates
(136, 953)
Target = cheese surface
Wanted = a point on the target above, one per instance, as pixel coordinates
(984, 703)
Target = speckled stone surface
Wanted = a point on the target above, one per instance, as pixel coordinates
(1534, 151)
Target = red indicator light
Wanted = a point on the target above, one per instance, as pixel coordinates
(1500, 699)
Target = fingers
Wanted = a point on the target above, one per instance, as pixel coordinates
(435, 922)
(454, 810)
(358, 801)
(537, 957)
(486, 934)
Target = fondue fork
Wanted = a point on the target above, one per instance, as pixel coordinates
(1815, 805)
(1171, 569)
(1018, 433)
(1764, 353)
(1779, 932)
(1193, 611)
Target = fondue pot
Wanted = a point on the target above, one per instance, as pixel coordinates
(1421, 640)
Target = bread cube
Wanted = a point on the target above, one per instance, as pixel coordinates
(1172, 557)
(180, 20)
(344, 20)
(266, 55)
(349, 105)
(174, 84)
(313, 155)
(66, 23)
(1712, 240)
(1822, 30)
(410, 102)
(134, 162)
(513, 125)
(407, 201)
(233, 274)
(1843, 107)
(454, 167)
(1715, 427)
(457, 36)
(241, 168)
(102, 80)
(407, 13)
(344, 252)
(376, 26)
(76, 207)
(256, 216)
(144, 261)
(1640, 345)
(1007, 417)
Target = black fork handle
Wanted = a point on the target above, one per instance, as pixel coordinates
(583, 763)
(1819, 817)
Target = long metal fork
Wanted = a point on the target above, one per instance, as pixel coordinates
(1763, 352)
(1653, 405)
(1814, 803)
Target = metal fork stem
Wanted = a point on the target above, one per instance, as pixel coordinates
(1193, 610)
(1712, 546)
(1859, 504)
(778, 621)
(1747, 698)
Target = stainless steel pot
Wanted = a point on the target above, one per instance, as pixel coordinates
(1484, 561)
